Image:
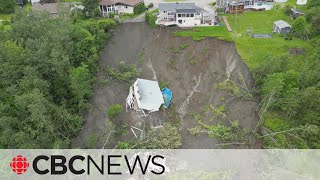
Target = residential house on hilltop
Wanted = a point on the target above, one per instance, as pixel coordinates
(119, 6)
(184, 15)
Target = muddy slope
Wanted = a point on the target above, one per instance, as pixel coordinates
(192, 69)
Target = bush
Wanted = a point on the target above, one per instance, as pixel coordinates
(124, 145)
(114, 110)
(167, 137)
(92, 141)
(7, 6)
(139, 9)
(123, 72)
(287, 9)
(150, 5)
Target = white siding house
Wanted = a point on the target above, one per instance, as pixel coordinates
(118, 6)
(183, 15)
(34, 1)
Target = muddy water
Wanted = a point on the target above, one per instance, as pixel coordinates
(192, 73)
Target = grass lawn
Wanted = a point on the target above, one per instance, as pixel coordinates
(251, 50)
(5, 16)
(199, 33)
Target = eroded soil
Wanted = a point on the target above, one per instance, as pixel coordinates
(191, 68)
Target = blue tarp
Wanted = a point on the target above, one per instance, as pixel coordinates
(167, 96)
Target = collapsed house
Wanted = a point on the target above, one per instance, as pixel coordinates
(144, 95)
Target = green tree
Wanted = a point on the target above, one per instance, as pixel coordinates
(114, 110)
(166, 137)
(7, 6)
(299, 27)
(80, 82)
(91, 7)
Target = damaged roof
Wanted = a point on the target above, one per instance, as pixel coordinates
(150, 95)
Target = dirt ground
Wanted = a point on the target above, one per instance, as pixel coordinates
(191, 68)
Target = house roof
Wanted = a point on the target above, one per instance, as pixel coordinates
(19, 2)
(150, 94)
(177, 6)
(126, 2)
(282, 24)
(52, 8)
(296, 11)
(302, 2)
(186, 10)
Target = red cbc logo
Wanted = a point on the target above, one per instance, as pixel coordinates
(19, 164)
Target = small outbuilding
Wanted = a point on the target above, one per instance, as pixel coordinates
(281, 27)
(295, 13)
(302, 2)
(20, 3)
(145, 95)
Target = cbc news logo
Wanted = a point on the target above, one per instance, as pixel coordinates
(19, 164)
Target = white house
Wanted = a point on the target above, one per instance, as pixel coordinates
(183, 15)
(145, 95)
(118, 6)
(34, 1)
(301, 2)
(281, 27)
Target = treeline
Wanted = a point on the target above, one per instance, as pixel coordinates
(47, 69)
(290, 88)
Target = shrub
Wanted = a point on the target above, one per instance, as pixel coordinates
(150, 5)
(139, 8)
(123, 72)
(287, 9)
(114, 110)
(124, 145)
(92, 141)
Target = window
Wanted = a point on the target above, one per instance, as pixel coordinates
(126, 7)
(165, 18)
(183, 15)
(180, 21)
(187, 15)
(191, 15)
(179, 15)
(164, 11)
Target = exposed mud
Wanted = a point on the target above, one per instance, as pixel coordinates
(192, 71)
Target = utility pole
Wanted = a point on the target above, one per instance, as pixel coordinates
(235, 22)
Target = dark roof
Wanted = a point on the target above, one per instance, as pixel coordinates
(19, 2)
(296, 11)
(261, 36)
(176, 6)
(186, 10)
(126, 2)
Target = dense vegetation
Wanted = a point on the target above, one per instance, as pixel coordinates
(46, 74)
(286, 72)
(139, 8)
(290, 89)
(7, 6)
